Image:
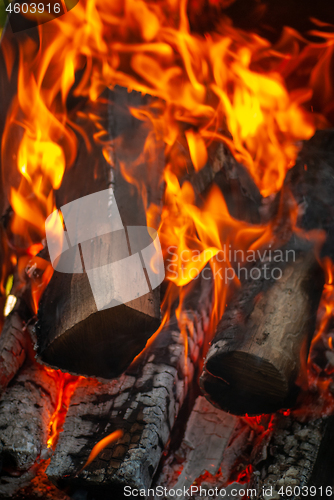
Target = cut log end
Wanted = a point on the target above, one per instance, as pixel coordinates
(247, 384)
(262, 341)
(103, 344)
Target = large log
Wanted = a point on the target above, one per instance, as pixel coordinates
(263, 338)
(26, 408)
(143, 403)
(81, 329)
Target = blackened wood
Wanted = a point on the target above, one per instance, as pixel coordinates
(72, 334)
(144, 403)
(13, 345)
(311, 182)
(255, 357)
(206, 438)
(288, 457)
(26, 408)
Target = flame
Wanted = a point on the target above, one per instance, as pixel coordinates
(114, 436)
(228, 86)
(320, 371)
(66, 385)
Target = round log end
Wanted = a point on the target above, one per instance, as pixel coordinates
(242, 383)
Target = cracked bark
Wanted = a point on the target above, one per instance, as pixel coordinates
(288, 456)
(26, 408)
(143, 402)
(13, 345)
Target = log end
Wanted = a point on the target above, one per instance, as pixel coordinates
(240, 383)
(102, 345)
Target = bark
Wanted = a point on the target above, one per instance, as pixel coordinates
(144, 402)
(13, 345)
(206, 438)
(262, 339)
(311, 182)
(26, 409)
(289, 456)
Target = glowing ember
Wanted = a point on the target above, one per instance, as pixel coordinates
(66, 386)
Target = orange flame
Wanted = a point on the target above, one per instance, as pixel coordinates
(229, 86)
(102, 444)
(66, 385)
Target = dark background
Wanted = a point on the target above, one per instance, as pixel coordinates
(265, 17)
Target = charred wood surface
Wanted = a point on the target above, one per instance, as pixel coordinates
(288, 457)
(13, 344)
(74, 332)
(206, 438)
(255, 357)
(26, 408)
(144, 403)
(311, 182)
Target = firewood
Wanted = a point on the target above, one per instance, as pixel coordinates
(13, 345)
(263, 337)
(288, 458)
(79, 328)
(26, 408)
(205, 440)
(311, 182)
(144, 403)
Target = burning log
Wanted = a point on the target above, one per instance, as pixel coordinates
(94, 318)
(143, 403)
(263, 337)
(13, 345)
(288, 457)
(311, 182)
(206, 438)
(26, 408)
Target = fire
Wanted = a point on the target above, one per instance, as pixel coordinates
(215, 87)
(66, 384)
(228, 86)
(111, 438)
(319, 370)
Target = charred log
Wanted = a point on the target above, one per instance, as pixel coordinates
(288, 458)
(26, 408)
(262, 339)
(206, 438)
(311, 182)
(143, 402)
(13, 345)
(81, 329)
